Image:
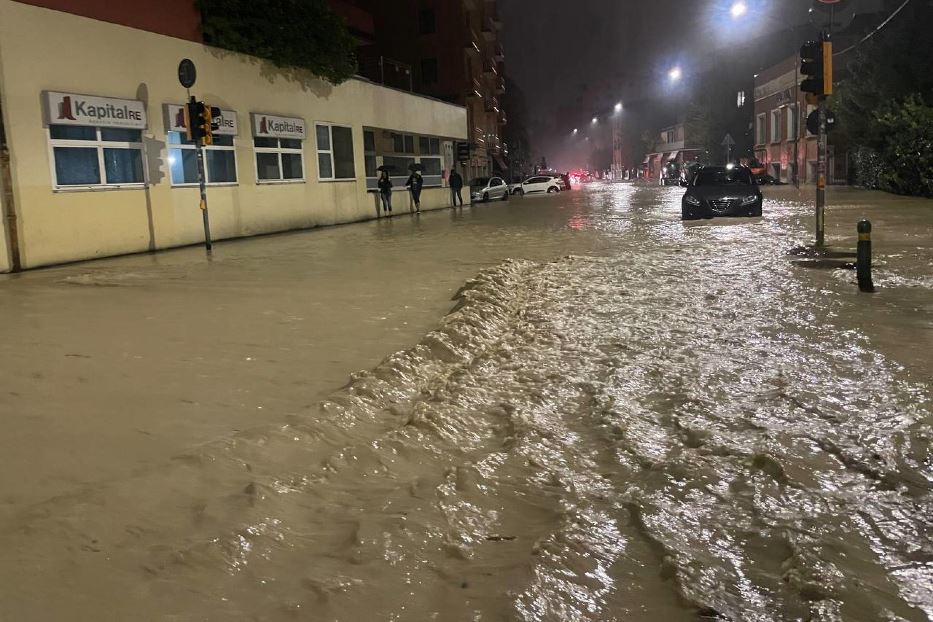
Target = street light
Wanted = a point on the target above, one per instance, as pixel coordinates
(619, 107)
(739, 9)
(675, 74)
(575, 130)
(594, 121)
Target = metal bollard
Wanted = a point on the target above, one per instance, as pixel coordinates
(863, 263)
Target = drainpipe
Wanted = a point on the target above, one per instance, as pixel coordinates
(8, 203)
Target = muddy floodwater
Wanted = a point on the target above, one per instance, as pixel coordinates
(557, 408)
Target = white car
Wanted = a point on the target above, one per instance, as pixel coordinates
(539, 184)
(489, 188)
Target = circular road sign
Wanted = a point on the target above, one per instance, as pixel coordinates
(813, 122)
(187, 74)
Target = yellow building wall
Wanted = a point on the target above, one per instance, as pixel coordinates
(41, 50)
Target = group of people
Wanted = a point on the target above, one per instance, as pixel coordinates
(414, 185)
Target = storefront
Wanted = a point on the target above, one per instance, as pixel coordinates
(100, 164)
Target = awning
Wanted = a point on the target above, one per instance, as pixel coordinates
(673, 155)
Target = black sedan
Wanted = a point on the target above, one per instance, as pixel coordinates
(721, 191)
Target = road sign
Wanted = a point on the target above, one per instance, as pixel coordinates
(187, 74)
(813, 122)
(728, 141)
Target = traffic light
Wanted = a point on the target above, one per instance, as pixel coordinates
(208, 114)
(816, 64)
(463, 152)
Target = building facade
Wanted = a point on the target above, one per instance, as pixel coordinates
(674, 146)
(454, 51)
(93, 161)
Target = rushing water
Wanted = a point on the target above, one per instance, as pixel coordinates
(668, 425)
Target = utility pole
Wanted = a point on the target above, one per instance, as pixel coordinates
(816, 63)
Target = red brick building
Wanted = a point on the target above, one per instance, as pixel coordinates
(782, 141)
(454, 51)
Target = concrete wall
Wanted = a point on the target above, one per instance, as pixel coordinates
(41, 49)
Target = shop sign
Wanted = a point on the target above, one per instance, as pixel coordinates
(74, 109)
(175, 120)
(277, 127)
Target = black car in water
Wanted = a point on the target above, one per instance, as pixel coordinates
(721, 191)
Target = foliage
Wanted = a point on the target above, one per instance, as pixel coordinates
(882, 105)
(304, 34)
(907, 154)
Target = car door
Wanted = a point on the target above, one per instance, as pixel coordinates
(497, 188)
(534, 185)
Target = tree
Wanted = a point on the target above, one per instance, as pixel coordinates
(303, 34)
(883, 105)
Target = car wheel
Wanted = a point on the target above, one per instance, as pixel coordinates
(485, 197)
(551, 190)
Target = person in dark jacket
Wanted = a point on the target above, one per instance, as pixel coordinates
(414, 184)
(385, 191)
(456, 187)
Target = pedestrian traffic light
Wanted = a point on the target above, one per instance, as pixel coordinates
(463, 152)
(194, 119)
(816, 64)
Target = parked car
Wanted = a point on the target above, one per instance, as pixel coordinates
(721, 191)
(670, 174)
(539, 184)
(488, 188)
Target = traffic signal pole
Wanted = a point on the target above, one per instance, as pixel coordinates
(202, 183)
(821, 177)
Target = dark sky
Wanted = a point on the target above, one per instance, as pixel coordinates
(584, 55)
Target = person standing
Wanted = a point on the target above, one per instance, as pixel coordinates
(414, 184)
(456, 187)
(385, 192)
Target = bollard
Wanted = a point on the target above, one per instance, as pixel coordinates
(863, 264)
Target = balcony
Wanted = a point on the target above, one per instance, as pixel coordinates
(489, 70)
(500, 85)
(472, 43)
(498, 52)
(492, 104)
(489, 31)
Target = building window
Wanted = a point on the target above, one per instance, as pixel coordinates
(791, 123)
(87, 157)
(740, 99)
(335, 152)
(760, 132)
(429, 71)
(775, 126)
(219, 160)
(426, 23)
(369, 153)
(278, 159)
(429, 146)
(403, 143)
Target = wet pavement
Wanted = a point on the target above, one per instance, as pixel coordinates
(624, 418)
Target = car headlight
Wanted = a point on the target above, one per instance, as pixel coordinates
(692, 200)
(749, 199)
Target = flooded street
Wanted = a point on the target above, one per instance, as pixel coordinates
(557, 408)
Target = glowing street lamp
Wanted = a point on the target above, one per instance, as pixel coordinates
(739, 9)
(594, 121)
(619, 107)
(575, 130)
(675, 74)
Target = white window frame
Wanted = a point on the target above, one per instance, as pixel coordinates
(761, 133)
(330, 152)
(279, 151)
(100, 145)
(776, 126)
(790, 117)
(236, 164)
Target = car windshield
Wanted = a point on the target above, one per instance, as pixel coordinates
(721, 176)
(480, 181)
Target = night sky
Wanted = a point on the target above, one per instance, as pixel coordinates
(575, 59)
